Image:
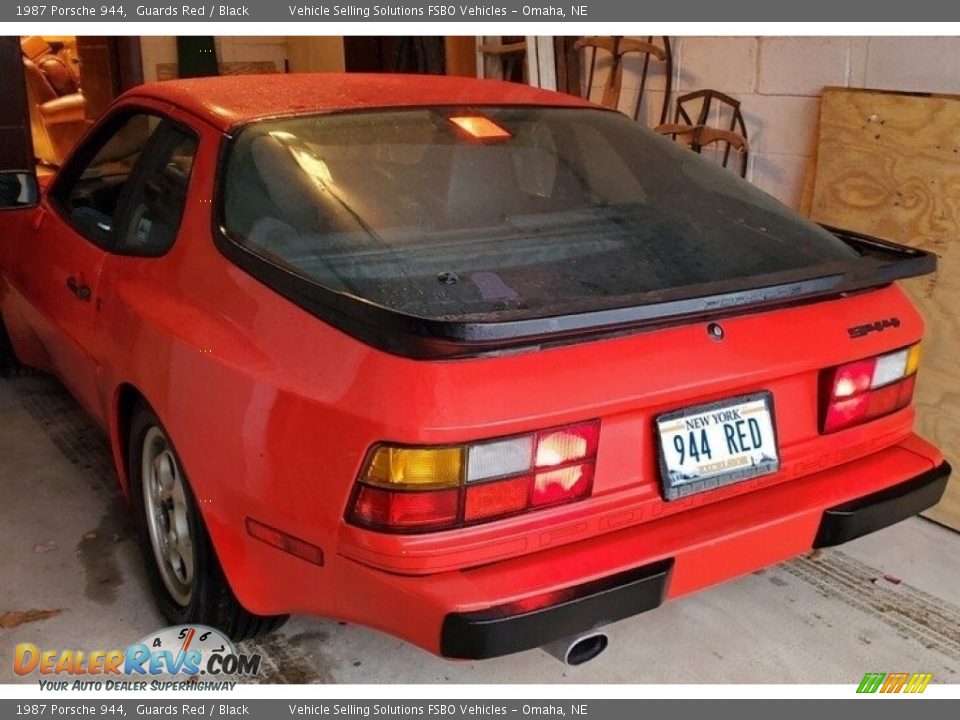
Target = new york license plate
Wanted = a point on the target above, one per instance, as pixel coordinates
(708, 446)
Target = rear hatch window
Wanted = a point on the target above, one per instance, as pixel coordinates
(500, 215)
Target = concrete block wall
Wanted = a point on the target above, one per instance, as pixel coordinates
(779, 81)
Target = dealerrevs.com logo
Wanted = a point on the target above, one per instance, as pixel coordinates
(175, 658)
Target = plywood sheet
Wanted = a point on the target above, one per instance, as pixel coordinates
(888, 164)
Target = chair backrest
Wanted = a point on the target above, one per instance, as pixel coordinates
(618, 47)
(712, 117)
(507, 58)
(39, 89)
(34, 46)
(59, 76)
(53, 67)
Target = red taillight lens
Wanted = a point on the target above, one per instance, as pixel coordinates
(489, 500)
(853, 379)
(868, 389)
(884, 401)
(403, 489)
(564, 445)
(560, 486)
(380, 508)
(844, 413)
(906, 390)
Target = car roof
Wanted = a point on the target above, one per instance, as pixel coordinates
(228, 101)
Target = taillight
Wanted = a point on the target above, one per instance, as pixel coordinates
(867, 389)
(404, 489)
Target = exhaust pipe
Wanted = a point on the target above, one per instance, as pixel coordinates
(579, 649)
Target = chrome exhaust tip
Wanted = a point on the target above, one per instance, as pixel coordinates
(578, 650)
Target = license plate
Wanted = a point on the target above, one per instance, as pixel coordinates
(709, 446)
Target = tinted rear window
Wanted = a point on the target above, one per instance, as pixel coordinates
(540, 211)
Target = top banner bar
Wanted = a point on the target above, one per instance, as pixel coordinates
(575, 11)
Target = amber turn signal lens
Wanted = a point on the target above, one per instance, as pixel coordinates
(913, 359)
(414, 467)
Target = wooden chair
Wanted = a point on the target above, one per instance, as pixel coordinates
(700, 133)
(512, 57)
(618, 47)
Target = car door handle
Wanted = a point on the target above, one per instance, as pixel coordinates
(82, 292)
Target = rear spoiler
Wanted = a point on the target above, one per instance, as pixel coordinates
(894, 261)
(880, 263)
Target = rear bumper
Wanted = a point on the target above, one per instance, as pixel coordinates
(532, 599)
(506, 629)
(878, 510)
(509, 628)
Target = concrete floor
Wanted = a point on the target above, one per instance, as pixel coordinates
(889, 602)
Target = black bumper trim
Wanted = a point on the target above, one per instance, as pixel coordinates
(878, 510)
(511, 628)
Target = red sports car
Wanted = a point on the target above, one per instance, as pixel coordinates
(479, 365)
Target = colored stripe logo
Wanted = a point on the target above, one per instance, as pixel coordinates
(894, 682)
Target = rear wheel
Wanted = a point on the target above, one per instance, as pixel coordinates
(186, 577)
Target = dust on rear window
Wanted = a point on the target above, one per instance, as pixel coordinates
(500, 213)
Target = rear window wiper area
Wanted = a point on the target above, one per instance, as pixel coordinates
(876, 263)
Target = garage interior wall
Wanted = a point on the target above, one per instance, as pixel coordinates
(302, 53)
(779, 81)
(312, 54)
(159, 50)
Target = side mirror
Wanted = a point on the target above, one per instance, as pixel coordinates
(18, 190)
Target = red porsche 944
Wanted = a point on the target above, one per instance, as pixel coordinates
(482, 366)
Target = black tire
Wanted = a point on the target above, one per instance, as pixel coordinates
(10, 366)
(211, 601)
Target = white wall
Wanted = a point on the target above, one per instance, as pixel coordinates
(253, 48)
(156, 50)
(779, 81)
